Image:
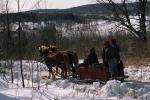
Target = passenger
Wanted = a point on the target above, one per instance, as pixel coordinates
(117, 49)
(112, 56)
(91, 58)
(120, 71)
(104, 51)
(104, 54)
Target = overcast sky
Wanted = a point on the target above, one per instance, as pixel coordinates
(50, 4)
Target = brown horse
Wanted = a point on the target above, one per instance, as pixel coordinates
(65, 60)
(71, 61)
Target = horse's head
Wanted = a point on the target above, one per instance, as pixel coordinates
(53, 48)
(43, 50)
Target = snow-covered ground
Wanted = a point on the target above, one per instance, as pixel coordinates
(136, 87)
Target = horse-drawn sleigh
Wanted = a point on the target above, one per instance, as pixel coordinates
(67, 61)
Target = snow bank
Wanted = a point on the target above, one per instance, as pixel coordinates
(63, 83)
(114, 88)
(145, 96)
(3, 84)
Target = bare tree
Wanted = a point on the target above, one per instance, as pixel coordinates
(122, 14)
(2, 6)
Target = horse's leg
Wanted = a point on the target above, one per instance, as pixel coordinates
(56, 70)
(50, 70)
(75, 63)
(73, 70)
(67, 68)
(64, 72)
(53, 75)
(76, 68)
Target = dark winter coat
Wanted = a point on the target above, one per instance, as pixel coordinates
(92, 58)
(112, 52)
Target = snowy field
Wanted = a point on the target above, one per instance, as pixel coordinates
(136, 87)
